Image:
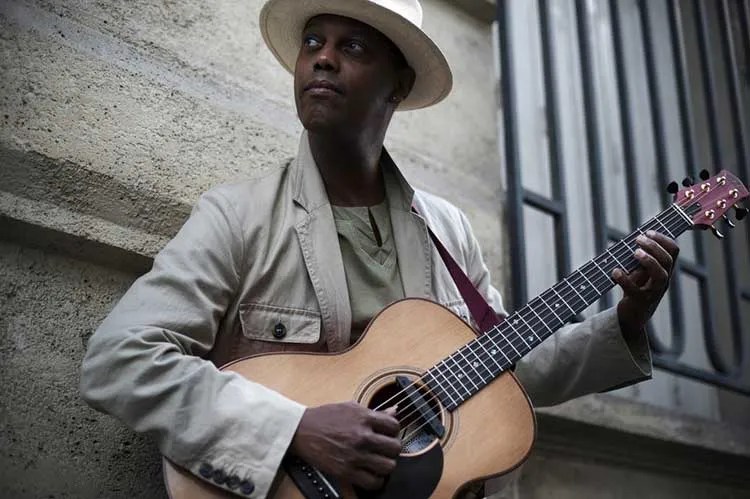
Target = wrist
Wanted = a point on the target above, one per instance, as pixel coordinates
(630, 324)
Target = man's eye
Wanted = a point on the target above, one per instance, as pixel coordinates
(311, 41)
(356, 47)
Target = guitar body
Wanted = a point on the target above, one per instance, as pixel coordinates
(488, 435)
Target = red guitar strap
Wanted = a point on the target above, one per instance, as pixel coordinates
(481, 312)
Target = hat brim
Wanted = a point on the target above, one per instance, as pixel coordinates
(282, 22)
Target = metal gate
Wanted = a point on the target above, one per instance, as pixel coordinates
(603, 104)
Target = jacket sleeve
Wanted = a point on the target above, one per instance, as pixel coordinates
(589, 357)
(142, 364)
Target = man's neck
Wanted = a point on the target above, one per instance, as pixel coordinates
(350, 168)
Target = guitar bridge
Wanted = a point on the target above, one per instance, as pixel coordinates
(311, 483)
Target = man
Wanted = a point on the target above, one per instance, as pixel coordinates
(303, 257)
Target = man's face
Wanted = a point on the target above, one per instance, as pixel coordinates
(345, 76)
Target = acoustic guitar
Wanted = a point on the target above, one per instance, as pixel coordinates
(444, 379)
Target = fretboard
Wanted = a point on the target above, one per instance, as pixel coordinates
(459, 376)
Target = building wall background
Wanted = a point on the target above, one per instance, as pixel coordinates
(116, 116)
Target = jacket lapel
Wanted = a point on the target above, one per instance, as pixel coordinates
(413, 245)
(320, 249)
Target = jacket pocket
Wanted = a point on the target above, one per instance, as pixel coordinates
(279, 324)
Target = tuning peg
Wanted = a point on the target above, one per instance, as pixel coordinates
(740, 212)
(672, 188)
(687, 181)
(704, 174)
(716, 232)
(729, 222)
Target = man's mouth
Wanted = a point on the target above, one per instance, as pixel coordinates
(322, 88)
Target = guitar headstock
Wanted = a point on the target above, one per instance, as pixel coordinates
(709, 200)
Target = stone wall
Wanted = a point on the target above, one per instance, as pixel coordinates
(115, 117)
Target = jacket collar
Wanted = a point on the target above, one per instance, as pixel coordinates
(319, 241)
(307, 184)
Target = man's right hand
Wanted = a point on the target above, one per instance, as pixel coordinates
(349, 442)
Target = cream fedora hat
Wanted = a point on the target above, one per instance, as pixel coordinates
(282, 22)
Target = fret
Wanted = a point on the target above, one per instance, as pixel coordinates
(492, 357)
(628, 266)
(541, 298)
(583, 273)
(459, 352)
(682, 213)
(526, 323)
(434, 377)
(666, 229)
(457, 373)
(563, 300)
(619, 263)
(540, 320)
(520, 336)
(449, 375)
(479, 362)
(517, 334)
(585, 302)
(495, 346)
(608, 264)
(606, 274)
(451, 379)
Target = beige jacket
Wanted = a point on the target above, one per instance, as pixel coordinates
(265, 252)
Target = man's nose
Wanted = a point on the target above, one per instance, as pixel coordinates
(326, 58)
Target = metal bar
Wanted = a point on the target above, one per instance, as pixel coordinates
(696, 270)
(738, 117)
(626, 121)
(592, 128)
(744, 19)
(730, 59)
(687, 119)
(725, 382)
(550, 206)
(556, 164)
(512, 166)
(660, 150)
(710, 93)
(628, 139)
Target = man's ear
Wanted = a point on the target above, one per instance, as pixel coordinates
(404, 83)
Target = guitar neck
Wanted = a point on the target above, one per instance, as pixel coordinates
(459, 376)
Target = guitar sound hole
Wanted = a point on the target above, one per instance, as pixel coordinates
(417, 409)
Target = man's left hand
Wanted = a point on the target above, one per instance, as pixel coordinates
(645, 286)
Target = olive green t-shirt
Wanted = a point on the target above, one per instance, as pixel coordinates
(369, 254)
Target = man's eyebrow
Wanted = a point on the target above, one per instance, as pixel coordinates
(359, 31)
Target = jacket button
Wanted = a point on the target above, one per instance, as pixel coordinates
(233, 482)
(279, 331)
(247, 487)
(219, 476)
(206, 471)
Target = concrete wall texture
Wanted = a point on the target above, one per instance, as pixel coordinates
(117, 115)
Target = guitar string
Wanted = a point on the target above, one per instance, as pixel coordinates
(496, 329)
(617, 247)
(416, 430)
(679, 218)
(628, 253)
